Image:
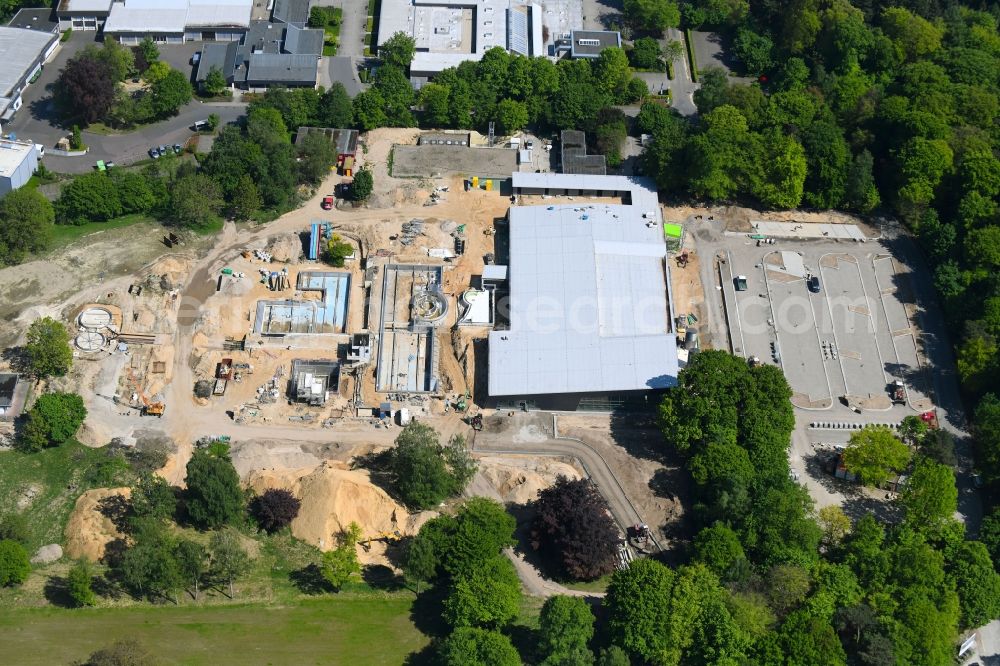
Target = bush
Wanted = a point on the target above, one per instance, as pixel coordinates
(573, 529)
(92, 197)
(14, 527)
(363, 184)
(53, 420)
(275, 509)
(79, 582)
(337, 250)
(14, 564)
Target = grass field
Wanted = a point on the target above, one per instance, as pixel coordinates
(53, 479)
(64, 234)
(332, 630)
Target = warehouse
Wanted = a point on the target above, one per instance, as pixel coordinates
(23, 52)
(178, 21)
(590, 320)
(18, 161)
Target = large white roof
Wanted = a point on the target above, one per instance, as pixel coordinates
(19, 48)
(12, 153)
(172, 16)
(589, 311)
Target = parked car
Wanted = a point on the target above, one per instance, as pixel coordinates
(177, 149)
(813, 284)
(327, 203)
(740, 282)
(154, 152)
(200, 125)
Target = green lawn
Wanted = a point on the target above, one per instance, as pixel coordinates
(599, 585)
(332, 630)
(53, 479)
(64, 234)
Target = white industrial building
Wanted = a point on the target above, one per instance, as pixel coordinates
(22, 52)
(18, 161)
(449, 32)
(590, 316)
(177, 21)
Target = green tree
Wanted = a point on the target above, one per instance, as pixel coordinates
(913, 35)
(341, 563)
(835, 523)
(229, 559)
(977, 583)
(807, 639)
(14, 564)
(26, 223)
(316, 155)
(481, 530)
(470, 646)
(930, 496)
(422, 561)
(89, 198)
(488, 596)
(126, 652)
(170, 93)
(47, 348)
(192, 563)
(215, 81)
(149, 566)
(245, 200)
(646, 54)
(426, 472)
(52, 420)
(718, 547)
(214, 497)
(434, 98)
(362, 185)
(566, 626)
(754, 50)
(654, 16)
(150, 52)
(874, 453)
(118, 58)
(195, 201)
(613, 656)
(369, 110)
(153, 497)
(784, 172)
(337, 249)
(335, 108)
(638, 606)
(398, 50)
(512, 116)
(78, 584)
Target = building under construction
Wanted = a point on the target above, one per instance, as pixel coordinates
(314, 380)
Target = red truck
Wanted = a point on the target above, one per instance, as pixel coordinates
(327, 202)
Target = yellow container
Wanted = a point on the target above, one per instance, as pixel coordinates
(489, 185)
(475, 181)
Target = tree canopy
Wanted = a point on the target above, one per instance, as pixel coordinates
(425, 471)
(47, 349)
(214, 497)
(874, 453)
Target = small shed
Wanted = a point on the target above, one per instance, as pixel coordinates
(8, 389)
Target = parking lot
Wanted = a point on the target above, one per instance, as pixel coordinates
(845, 342)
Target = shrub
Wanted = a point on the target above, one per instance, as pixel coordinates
(14, 564)
(275, 509)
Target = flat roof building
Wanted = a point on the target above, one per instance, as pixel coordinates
(22, 52)
(18, 162)
(36, 18)
(589, 308)
(449, 32)
(314, 380)
(84, 15)
(270, 53)
(590, 43)
(177, 21)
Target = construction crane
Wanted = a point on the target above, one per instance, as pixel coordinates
(388, 537)
(148, 408)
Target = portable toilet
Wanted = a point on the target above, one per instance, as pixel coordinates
(489, 185)
(475, 182)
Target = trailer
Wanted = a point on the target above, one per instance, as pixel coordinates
(314, 242)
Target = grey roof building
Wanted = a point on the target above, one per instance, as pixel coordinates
(590, 43)
(269, 54)
(22, 52)
(589, 307)
(573, 148)
(292, 12)
(40, 18)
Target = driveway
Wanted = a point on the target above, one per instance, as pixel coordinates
(681, 87)
(352, 29)
(340, 69)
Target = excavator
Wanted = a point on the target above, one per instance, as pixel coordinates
(388, 537)
(148, 408)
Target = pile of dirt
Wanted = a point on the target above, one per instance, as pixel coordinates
(333, 496)
(286, 248)
(88, 531)
(519, 479)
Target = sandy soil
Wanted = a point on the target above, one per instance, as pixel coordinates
(88, 531)
(518, 479)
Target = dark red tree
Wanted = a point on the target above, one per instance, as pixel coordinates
(86, 88)
(274, 509)
(573, 529)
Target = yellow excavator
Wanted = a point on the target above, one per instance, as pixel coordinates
(388, 537)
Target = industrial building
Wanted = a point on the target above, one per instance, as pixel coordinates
(449, 32)
(589, 43)
(18, 161)
(573, 153)
(35, 18)
(590, 316)
(174, 21)
(23, 52)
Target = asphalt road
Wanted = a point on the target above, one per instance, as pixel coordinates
(37, 120)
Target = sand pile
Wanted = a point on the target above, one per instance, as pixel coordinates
(332, 497)
(518, 480)
(286, 248)
(173, 272)
(89, 531)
